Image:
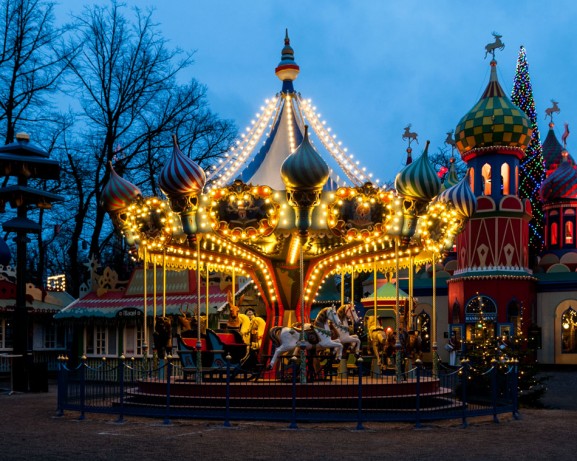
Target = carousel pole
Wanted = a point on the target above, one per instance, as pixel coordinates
(164, 283)
(207, 293)
(198, 341)
(154, 293)
(411, 290)
(145, 306)
(353, 285)
(343, 286)
(303, 354)
(435, 355)
(398, 358)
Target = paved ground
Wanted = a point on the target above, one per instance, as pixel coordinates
(29, 429)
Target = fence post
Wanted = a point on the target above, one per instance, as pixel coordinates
(168, 365)
(227, 408)
(82, 386)
(465, 369)
(360, 408)
(293, 424)
(59, 398)
(418, 364)
(494, 364)
(515, 388)
(121, 380)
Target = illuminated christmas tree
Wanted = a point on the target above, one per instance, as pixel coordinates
(532, 171)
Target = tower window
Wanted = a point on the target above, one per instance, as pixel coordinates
(505, 175)
(486, 174)
(569, 232)
(554, 232)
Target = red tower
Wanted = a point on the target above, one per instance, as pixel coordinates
(493, 280)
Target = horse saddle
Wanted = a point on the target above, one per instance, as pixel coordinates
(310, 334)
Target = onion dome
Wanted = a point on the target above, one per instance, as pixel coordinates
(287, 69)
(418, 180)
(452, 177)
(304, 168)
(181, 175)
(461, 197)
(118, 193)
(553, 151)
(562, 183)
(5, 254)
(493, 121)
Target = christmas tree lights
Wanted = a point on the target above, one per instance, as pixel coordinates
(532, 171)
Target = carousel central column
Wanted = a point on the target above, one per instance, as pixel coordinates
(304, 174)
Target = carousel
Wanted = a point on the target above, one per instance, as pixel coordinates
(278, 212)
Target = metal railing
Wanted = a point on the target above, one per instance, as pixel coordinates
(160, 388)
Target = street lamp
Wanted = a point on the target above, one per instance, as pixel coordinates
(24, 161)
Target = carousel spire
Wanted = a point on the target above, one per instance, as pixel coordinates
(287, 69)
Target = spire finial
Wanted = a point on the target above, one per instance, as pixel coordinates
(287, 40)
(496, 45)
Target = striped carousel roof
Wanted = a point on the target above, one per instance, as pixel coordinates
(461, 197)
(418, 180)
(562, 183)
(493, 121)
(452, 177)
(181, 175)
(118, 193)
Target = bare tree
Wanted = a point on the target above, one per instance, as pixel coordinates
(442, 159)
(123, 75)
(30, 67)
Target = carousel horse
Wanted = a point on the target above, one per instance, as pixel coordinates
(346, 317)
(411, 343)
(382, 341)
(187, 321)
(286, 339)
(238, 321)
(162, 335)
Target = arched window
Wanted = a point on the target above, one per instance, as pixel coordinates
(554, 232)
(505, 176)
(486, 174)
(472, 179)
(423, 324)
(569, 332)
(480, 317)
(569, 232)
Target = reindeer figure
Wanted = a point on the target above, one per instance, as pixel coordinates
(450, 141)
(554, 109)
(409, 135)
(496, 45)
(185, 319)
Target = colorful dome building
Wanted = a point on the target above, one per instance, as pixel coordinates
(492, 257)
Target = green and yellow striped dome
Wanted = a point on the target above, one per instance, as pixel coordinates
(493, 121)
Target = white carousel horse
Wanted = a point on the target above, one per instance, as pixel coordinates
(286, 339)
(382, 341)
(341, 318)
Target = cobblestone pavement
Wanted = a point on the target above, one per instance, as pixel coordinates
(29, 429)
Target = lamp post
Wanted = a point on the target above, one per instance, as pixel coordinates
(24, 161)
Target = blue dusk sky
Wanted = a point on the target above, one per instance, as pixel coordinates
(373, 67)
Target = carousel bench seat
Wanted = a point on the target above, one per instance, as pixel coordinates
(214, 349)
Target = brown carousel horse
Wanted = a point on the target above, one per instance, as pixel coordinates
(382, 341)
(236, 320)
(162, 335)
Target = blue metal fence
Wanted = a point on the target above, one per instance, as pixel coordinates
(160, 389)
